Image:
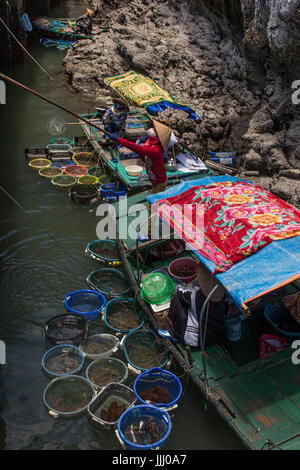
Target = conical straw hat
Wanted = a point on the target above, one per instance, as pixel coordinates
(163, 132)
(207, 282)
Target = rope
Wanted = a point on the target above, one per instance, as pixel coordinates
(25, 50)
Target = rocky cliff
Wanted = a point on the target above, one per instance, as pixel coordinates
(233, 61)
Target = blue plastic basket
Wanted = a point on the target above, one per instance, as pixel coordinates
(111, 192)
(224, 158)
(274, 312)
(62, 164)
(157, 377)
(125, 300)
(138, 414)
(87, 303)
(62, 348)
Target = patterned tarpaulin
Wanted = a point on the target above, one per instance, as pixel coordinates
(142, 91)
(269, 267)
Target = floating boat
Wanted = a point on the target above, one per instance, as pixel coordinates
(127, 166)
(57, 29)
(256, 395)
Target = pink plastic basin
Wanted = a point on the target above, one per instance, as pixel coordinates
(180, 264)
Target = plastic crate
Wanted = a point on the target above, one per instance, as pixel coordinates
(224, 158)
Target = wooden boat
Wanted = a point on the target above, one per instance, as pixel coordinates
(117, 164)
(58, 29)
(258, 398)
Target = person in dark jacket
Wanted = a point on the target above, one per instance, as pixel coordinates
(85, 23)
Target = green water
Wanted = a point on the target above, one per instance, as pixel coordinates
(37, 272)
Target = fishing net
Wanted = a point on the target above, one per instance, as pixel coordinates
(111, 402)
(103, 250)
(67, 328)
(63, 360)
(50, 172)
(64, 181)
(87, 179)
(99, 346)
(68, 395)
(76, 170)
(143, 350)
(96, 171)
(38, 163)
(104, 371)
(121, 315)
(87, 159)
(109, 281)
(84, 193)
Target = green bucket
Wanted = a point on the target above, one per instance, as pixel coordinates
(157, 288)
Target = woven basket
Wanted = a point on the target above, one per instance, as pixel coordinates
(39, 163)
(50, 171)
(87, 159)
(76, 170)
(88, 179)
(64, 181)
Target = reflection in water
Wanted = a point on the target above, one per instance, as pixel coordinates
(36, 272)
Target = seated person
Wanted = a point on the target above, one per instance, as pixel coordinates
(115, 117)
(84, 24)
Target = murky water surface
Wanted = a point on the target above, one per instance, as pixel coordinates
(42, 259)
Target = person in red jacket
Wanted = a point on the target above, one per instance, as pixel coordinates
(152, 152)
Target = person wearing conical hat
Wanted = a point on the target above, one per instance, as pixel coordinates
(152, 152)
(85, 22)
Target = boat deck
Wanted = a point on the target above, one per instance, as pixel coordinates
(259, 398)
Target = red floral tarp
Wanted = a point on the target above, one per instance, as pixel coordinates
(228, 221)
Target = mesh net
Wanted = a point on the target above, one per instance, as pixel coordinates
(69, 395)
(88, 179)
(87, 159)
(121, 315)
(50, 172)
(109, 281)
(38, 163)
(106, 249)
(76, 170)
(104, 371)
(144, 351)
(64, 181)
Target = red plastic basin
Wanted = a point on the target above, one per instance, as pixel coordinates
(178, 266)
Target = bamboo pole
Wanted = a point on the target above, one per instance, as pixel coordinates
(39, 95)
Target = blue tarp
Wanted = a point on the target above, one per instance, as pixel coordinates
(154, 109)
(274, 265)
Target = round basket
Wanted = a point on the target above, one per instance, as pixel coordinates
(121, 315)
(63, 164)
(87, 159)
(88, 179)
(96, 171)
(158, 387)
(99, 346)
(143, 350)
(84, 193)
(103, 179)
(87, 303)
(76, 170)
(184, 269)
(107, 370)
(38, 163)
(69, 328)
(62, 360)
(110, 404)
(104, 251)
(66, 397)
(109, 281)
(64, 181)
(50, 172)
(61, 141)
(144, 427)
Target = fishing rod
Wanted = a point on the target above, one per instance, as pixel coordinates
(39, 95)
